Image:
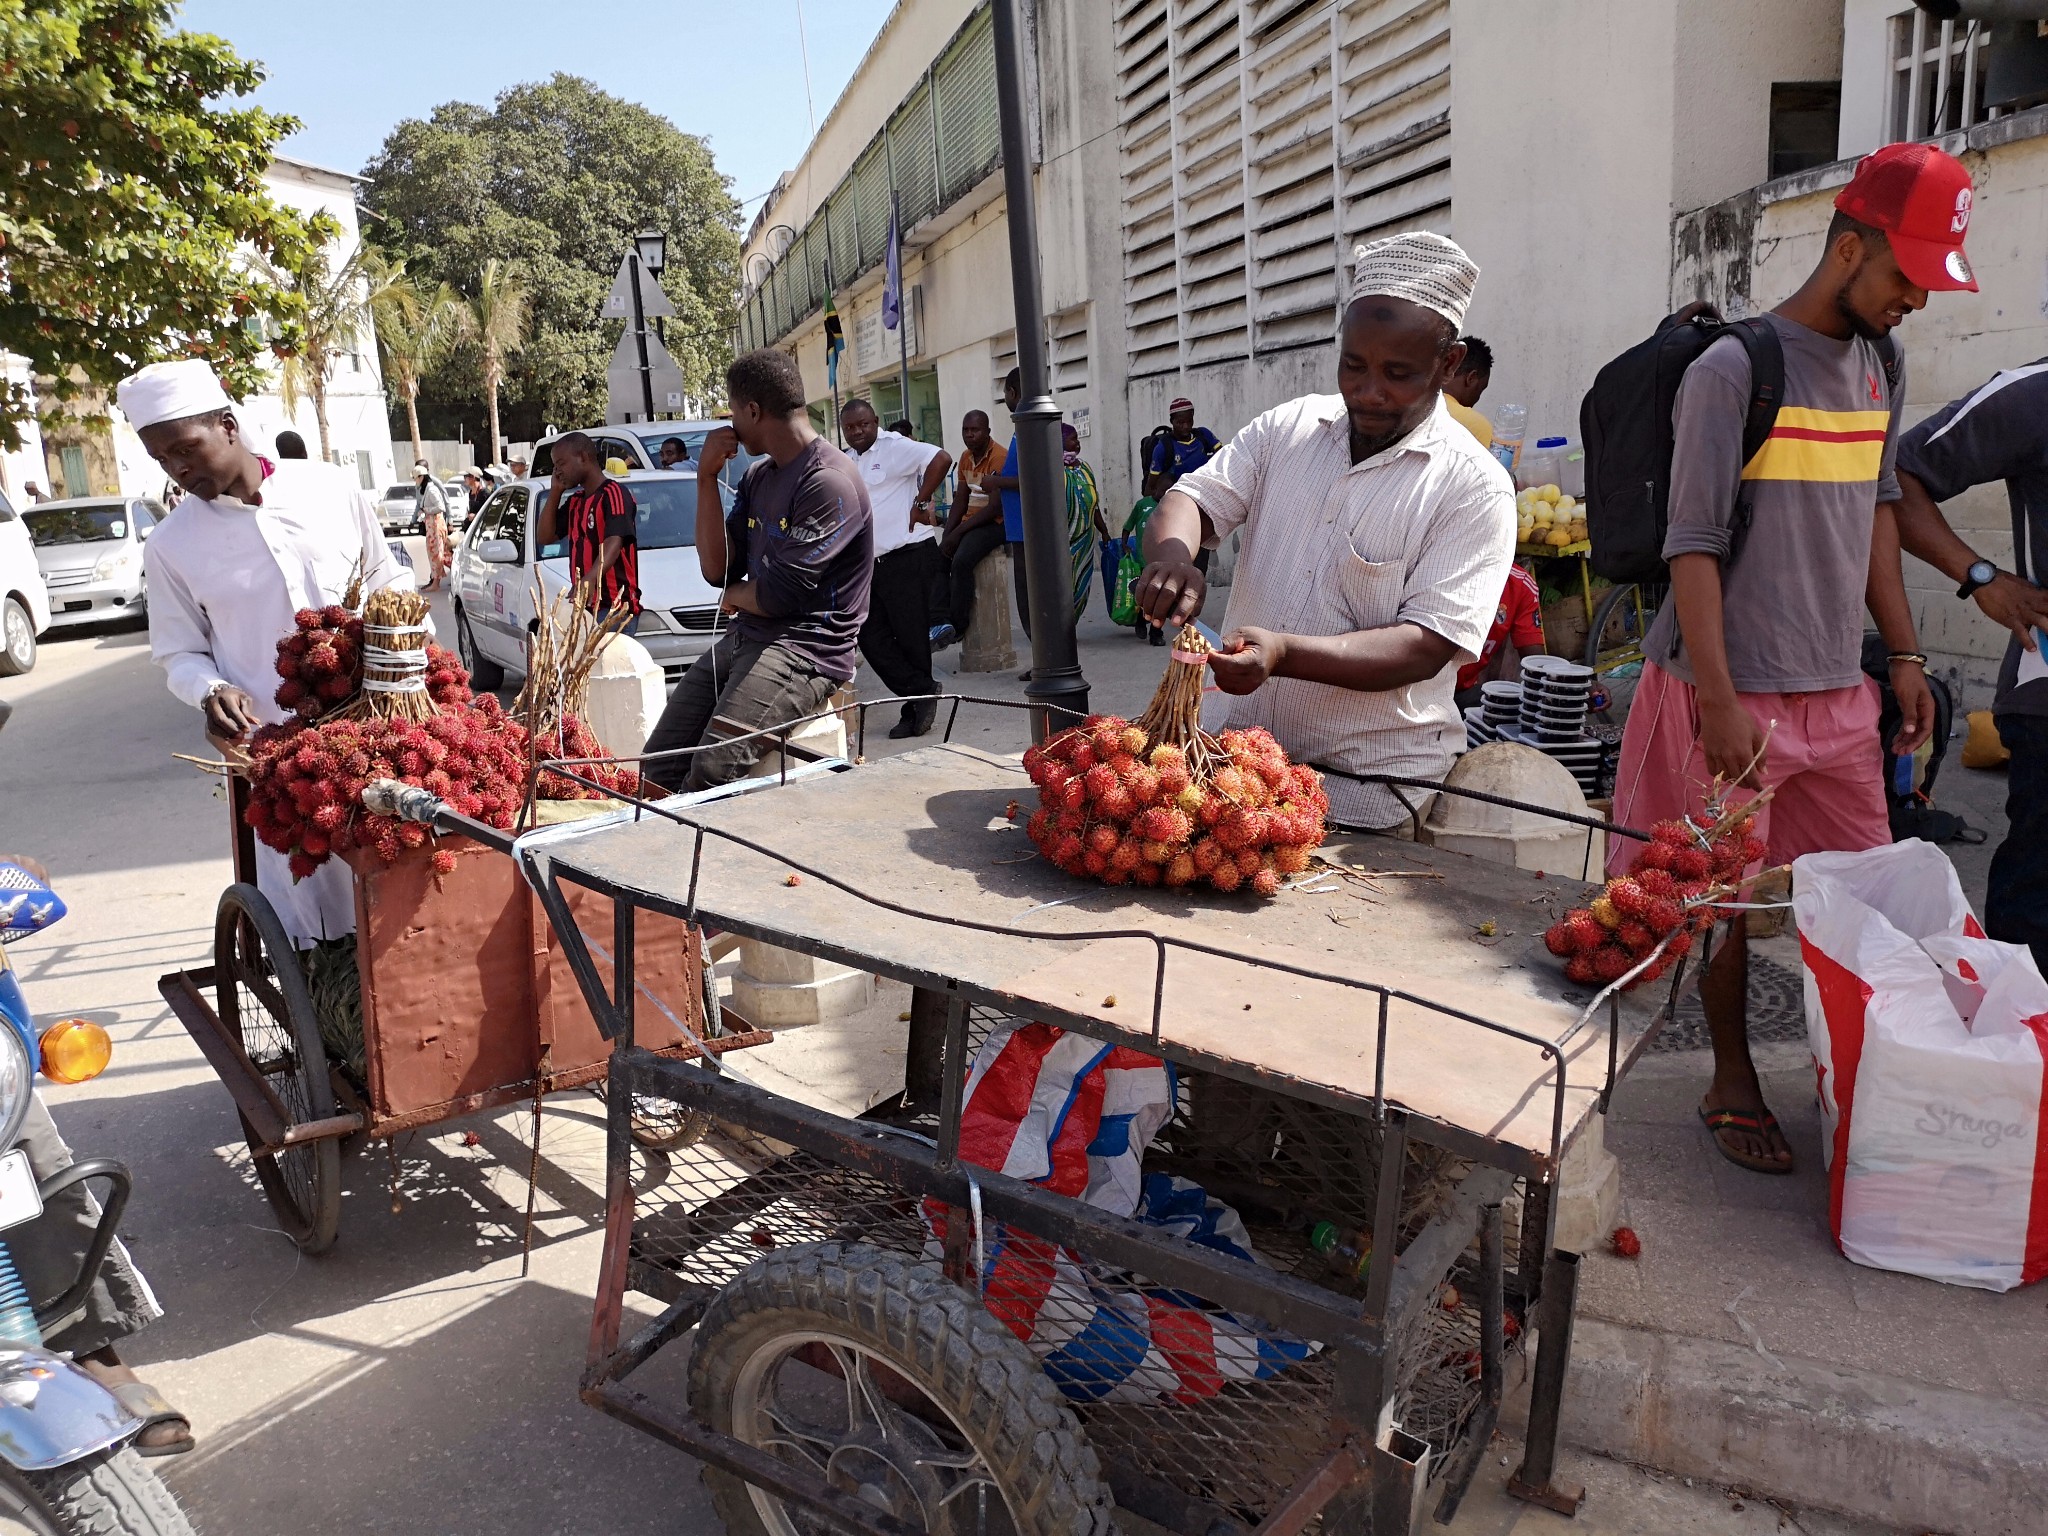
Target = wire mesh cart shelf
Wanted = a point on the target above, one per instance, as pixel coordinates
(892, 1338)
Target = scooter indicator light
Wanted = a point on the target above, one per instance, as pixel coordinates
(75, 1051)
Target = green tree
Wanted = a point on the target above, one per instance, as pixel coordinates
(417, 325)
(334, 311)
(129, 206)
(494, 322)
(555, 179)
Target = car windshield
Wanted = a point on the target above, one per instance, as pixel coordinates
(97, 524)
(667, 515)
(403, 493)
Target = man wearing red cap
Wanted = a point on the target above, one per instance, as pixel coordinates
(1186, 449)
(1755, 673)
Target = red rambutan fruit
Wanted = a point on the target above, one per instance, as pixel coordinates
(1132, 740)
(1094, 863)
(1611, 962)
(1673, 834)
(1099, 780)
(1291, 858)
(1226, 876)
(1207, 854)
(1143, 782)
(1127, 855)
(1557, 938)
(1629, 898)
(1266, 882)
(1067, 846)
(1580, 969)
(444, 861)
(1656, 882)
(302, 865)
(1250, 861)
(1103, 839)
(1691, 863)
(1180, 869)
(1663, 915)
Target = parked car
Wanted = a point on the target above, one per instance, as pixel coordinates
(90, 551)
(458, 502)
(639, 444)
(495, 565)
(24, 599)
(398, 510)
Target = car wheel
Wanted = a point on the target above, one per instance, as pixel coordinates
(17, 638)
(485, 675)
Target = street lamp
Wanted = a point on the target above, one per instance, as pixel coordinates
(652, 245)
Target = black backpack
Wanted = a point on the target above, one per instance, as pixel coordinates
(1625, 423)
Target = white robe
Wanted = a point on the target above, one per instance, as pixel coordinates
(225, 580)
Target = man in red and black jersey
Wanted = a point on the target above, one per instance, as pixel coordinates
(595, 514)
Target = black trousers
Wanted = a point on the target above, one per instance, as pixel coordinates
(1020, 583)
(975, 546)
(2016, 895)
(897, 637)
(750, 683)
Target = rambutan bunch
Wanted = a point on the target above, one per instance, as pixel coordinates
(1669, 893)
(1124, 805)
(320, 662)
(573, 740)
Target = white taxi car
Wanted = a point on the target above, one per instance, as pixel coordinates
(90, 551)
(24, 600)
(496, 565)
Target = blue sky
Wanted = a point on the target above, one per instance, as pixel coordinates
(729, 71)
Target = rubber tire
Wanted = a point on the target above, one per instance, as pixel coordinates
(313, 1230)
(111, 1494)
(14, 663)
(933, 1333)
(1617, 596)
(485, 675)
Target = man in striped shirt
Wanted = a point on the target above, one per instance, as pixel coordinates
(1754, 670)
(597, 516)
(1377, 537)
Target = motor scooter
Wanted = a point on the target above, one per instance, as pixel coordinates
(66, 1468)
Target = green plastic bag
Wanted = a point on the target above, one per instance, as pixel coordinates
(1123, 597)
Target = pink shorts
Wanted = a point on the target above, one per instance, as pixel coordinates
(1824, 758)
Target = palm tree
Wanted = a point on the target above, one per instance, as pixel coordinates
(496, 321)
(415, 329)
(337, 304)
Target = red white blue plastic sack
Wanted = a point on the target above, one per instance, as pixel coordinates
(1930, 1048)
(1075, 1116)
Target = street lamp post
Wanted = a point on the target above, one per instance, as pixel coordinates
(1056, 685)
(650, 250)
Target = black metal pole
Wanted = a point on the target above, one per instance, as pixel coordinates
(640, 333)
(1056, 681)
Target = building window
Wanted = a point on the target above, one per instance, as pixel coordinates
(1806, 121)
(1937, 76)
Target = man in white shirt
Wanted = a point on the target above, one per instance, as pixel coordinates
(1377, 538)
(251, 543)
(901, 475)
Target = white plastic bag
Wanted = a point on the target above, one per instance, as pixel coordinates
(1930, 1044)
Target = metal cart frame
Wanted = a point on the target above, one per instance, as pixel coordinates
(1367, 1473)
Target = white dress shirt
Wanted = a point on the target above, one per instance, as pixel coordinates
(892, 469)
(1421, 533)
(225, 581)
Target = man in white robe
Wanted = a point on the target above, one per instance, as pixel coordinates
(251, 543)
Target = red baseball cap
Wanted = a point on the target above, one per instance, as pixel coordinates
(1921, 199)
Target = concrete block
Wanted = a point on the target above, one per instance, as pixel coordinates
(1588, 1191)
(826, 735)
(986, 647)
(1901, 1453)
(627, 693)
(776, 988)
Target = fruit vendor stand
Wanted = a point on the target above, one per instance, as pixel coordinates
(958, 1311)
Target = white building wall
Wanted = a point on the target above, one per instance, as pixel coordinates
(20, 466)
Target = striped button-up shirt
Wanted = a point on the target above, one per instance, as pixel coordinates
(1422, 533)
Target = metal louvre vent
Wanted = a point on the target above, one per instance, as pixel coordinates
(1394, 117)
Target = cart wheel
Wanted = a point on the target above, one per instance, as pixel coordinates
(892, 1383)
(263, 999)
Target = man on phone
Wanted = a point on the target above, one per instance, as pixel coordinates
(598, 518)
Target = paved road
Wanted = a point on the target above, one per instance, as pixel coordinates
(409, 1381)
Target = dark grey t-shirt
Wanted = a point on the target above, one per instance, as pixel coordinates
(802, 533)
(1998, 432)
(1792, 596)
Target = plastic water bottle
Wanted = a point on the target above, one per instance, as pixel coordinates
(1510, 422)
(1541, 465)
(1347, 1253)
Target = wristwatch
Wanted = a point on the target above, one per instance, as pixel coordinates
(1980, 574)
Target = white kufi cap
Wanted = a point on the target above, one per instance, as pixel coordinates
(1420, 267)
(171, 392)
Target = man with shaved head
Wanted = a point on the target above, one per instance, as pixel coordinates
(1377, 536)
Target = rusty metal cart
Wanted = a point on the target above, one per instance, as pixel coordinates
(468, 1004)
(1367, 1052)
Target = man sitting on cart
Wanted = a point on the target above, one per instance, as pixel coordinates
(251, 543)
(1377, 536)
(795, 557)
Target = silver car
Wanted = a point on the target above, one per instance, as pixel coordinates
(89, 549)
(398, 509)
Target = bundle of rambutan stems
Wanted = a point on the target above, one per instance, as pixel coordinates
(394, 657)
(1174, 717)
(566, 647)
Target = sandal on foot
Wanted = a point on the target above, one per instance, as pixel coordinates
(1757, 1123)
(143, 1401)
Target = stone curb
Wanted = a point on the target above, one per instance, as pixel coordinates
(1853, 1442)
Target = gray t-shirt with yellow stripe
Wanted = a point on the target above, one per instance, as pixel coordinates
(1792, 596)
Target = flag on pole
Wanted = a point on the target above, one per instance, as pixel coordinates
(835, 342)
(892, 275)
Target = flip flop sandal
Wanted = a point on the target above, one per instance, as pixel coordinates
(1716, 1120)
(147, 1404)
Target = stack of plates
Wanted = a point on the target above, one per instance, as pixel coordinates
(1555, 696)
(1478, 729)
(1500, 703)
(1582, 757)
